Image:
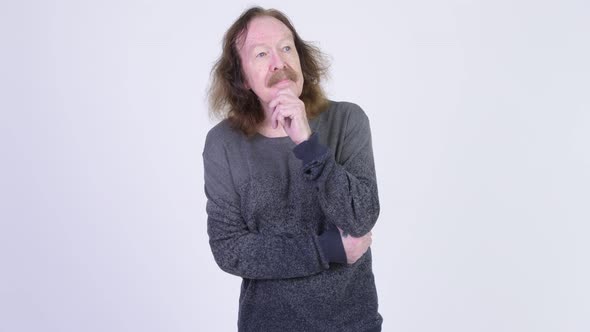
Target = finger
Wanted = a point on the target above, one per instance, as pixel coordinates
(280, 97)
(287, 111)
(273, 118)
(287, 97)
(274, 102)
(278, 117)
(288, 107)
(294, 112)
(287, 122)
(281, 120)
(282, 117)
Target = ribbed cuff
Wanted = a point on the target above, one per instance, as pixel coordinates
(310, 150)
(332, 247)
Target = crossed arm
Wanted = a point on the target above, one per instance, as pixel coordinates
(347, 194)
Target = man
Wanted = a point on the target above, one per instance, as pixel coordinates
(290, 183)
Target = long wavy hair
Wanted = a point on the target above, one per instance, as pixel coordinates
(228, 96)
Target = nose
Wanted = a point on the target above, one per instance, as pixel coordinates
(277, 62)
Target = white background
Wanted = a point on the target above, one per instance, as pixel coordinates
(480, 112)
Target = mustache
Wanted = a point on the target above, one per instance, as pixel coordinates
(282, 74)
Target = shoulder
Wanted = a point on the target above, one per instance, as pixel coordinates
(220, 136)
(347, 111)
(345, 115)
(221, 131)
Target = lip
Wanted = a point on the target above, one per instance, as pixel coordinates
(283, 83)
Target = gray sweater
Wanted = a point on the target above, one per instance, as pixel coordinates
(273, 208)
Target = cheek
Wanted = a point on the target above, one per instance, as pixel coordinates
(257, 76)
(297, 67)
(258, 83)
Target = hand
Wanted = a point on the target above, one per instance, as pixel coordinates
(289, 112)
(355, 247)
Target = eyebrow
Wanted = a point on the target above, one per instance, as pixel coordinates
(290, 38)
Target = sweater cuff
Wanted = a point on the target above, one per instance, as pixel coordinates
(310, 150)
(332, 247)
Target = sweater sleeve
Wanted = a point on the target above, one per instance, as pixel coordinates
(347, 190)
(245, 252)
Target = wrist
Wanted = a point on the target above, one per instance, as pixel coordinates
(310, 149)
(302, 139)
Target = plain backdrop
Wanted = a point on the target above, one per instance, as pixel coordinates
(480, 115)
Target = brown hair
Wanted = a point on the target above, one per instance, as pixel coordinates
(228, 95)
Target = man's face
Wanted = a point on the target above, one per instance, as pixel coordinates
(269, 59)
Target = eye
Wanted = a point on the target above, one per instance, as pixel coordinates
(261, 54)
(287, 48)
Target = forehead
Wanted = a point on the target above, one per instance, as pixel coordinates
(265, 30)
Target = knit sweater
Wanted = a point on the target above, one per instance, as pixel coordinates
(273, 211)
